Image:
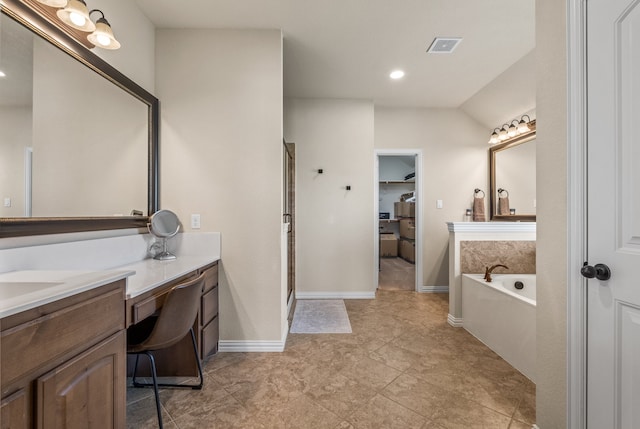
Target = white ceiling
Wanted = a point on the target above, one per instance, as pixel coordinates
(347, 48)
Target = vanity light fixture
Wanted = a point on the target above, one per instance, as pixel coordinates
(504, 134)
(75, 14)
(510, 130)
(523, 126)
(495, 138)
(54, 3)
(103, 37)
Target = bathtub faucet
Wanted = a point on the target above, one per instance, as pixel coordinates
(488, 271)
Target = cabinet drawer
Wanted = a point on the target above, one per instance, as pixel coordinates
(210, 277)
(48, 339)
(209, 305)
(209, 339)
(148, 306)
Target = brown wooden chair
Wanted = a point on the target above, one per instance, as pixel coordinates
(171, 324)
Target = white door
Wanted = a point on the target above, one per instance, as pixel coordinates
(613, 338)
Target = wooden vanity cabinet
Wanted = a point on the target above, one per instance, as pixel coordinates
(177, 360)
(208, 320)
(63, 364)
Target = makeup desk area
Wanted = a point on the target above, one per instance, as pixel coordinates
(64, 313)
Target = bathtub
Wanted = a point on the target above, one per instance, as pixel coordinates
(503, 317)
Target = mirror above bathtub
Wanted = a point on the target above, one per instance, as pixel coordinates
(512, 170)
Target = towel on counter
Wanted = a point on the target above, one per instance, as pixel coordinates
(503, 206)
(478, 209)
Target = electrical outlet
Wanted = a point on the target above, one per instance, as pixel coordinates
(7, 201)
(195, 221)
(534, 203)
(439, 204)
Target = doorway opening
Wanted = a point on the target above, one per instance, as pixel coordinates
(398, 223)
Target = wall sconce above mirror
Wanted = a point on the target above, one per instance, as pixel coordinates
(512, 177)
(511, 130)
(76, 19)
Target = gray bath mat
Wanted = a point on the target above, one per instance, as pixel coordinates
(320, 316)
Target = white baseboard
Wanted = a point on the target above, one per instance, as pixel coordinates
(335, 295)
(456, 322)
(535, 427)
(433, 289)
(230, 346)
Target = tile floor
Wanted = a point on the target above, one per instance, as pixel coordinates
(396, 274)
(402, 367)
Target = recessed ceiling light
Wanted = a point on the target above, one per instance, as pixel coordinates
(396, 74)
(2, 74)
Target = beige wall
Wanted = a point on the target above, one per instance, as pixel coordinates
(507, 97)
(455, 156)
(334, 236)
(221, 157)
(90, 145)
(551, 144)
(136, 33)
(15, 136)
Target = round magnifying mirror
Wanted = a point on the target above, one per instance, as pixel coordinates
(164, 224)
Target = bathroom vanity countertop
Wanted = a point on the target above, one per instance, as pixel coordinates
(24, 290)
(150, 273)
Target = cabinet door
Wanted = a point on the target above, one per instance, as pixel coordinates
(15, 411)
(86, 392)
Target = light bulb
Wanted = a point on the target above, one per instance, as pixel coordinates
(103, 39)
(396, 74)
(77, 19)
(512, 131)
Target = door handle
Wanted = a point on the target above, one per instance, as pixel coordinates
(600, 271)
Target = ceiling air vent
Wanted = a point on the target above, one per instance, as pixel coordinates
(444, 45)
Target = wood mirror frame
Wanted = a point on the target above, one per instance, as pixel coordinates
(32, 15)
(515, 141)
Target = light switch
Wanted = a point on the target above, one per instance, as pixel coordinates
(7, 201)
(438, 204)
(195, 221)
(534, 203)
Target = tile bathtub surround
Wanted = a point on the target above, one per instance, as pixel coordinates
(402, 367)
(519, 256)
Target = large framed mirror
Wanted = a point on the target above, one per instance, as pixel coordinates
(512, 171)
(78, 139)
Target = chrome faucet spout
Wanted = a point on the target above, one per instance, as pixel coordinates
(489, 270)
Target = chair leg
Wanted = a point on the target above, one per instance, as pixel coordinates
(155, 387)
(135, 370)
(197, 386)
(195, 352)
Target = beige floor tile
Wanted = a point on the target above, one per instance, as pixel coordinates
(142, 414)
(417, 395)
(341, 395)
(526, 411)
(370, 373)
(224, 413)
(179, 402)
(396, 357)
(402, 367)
(519, 425)
(381, 412)
(463, 414)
